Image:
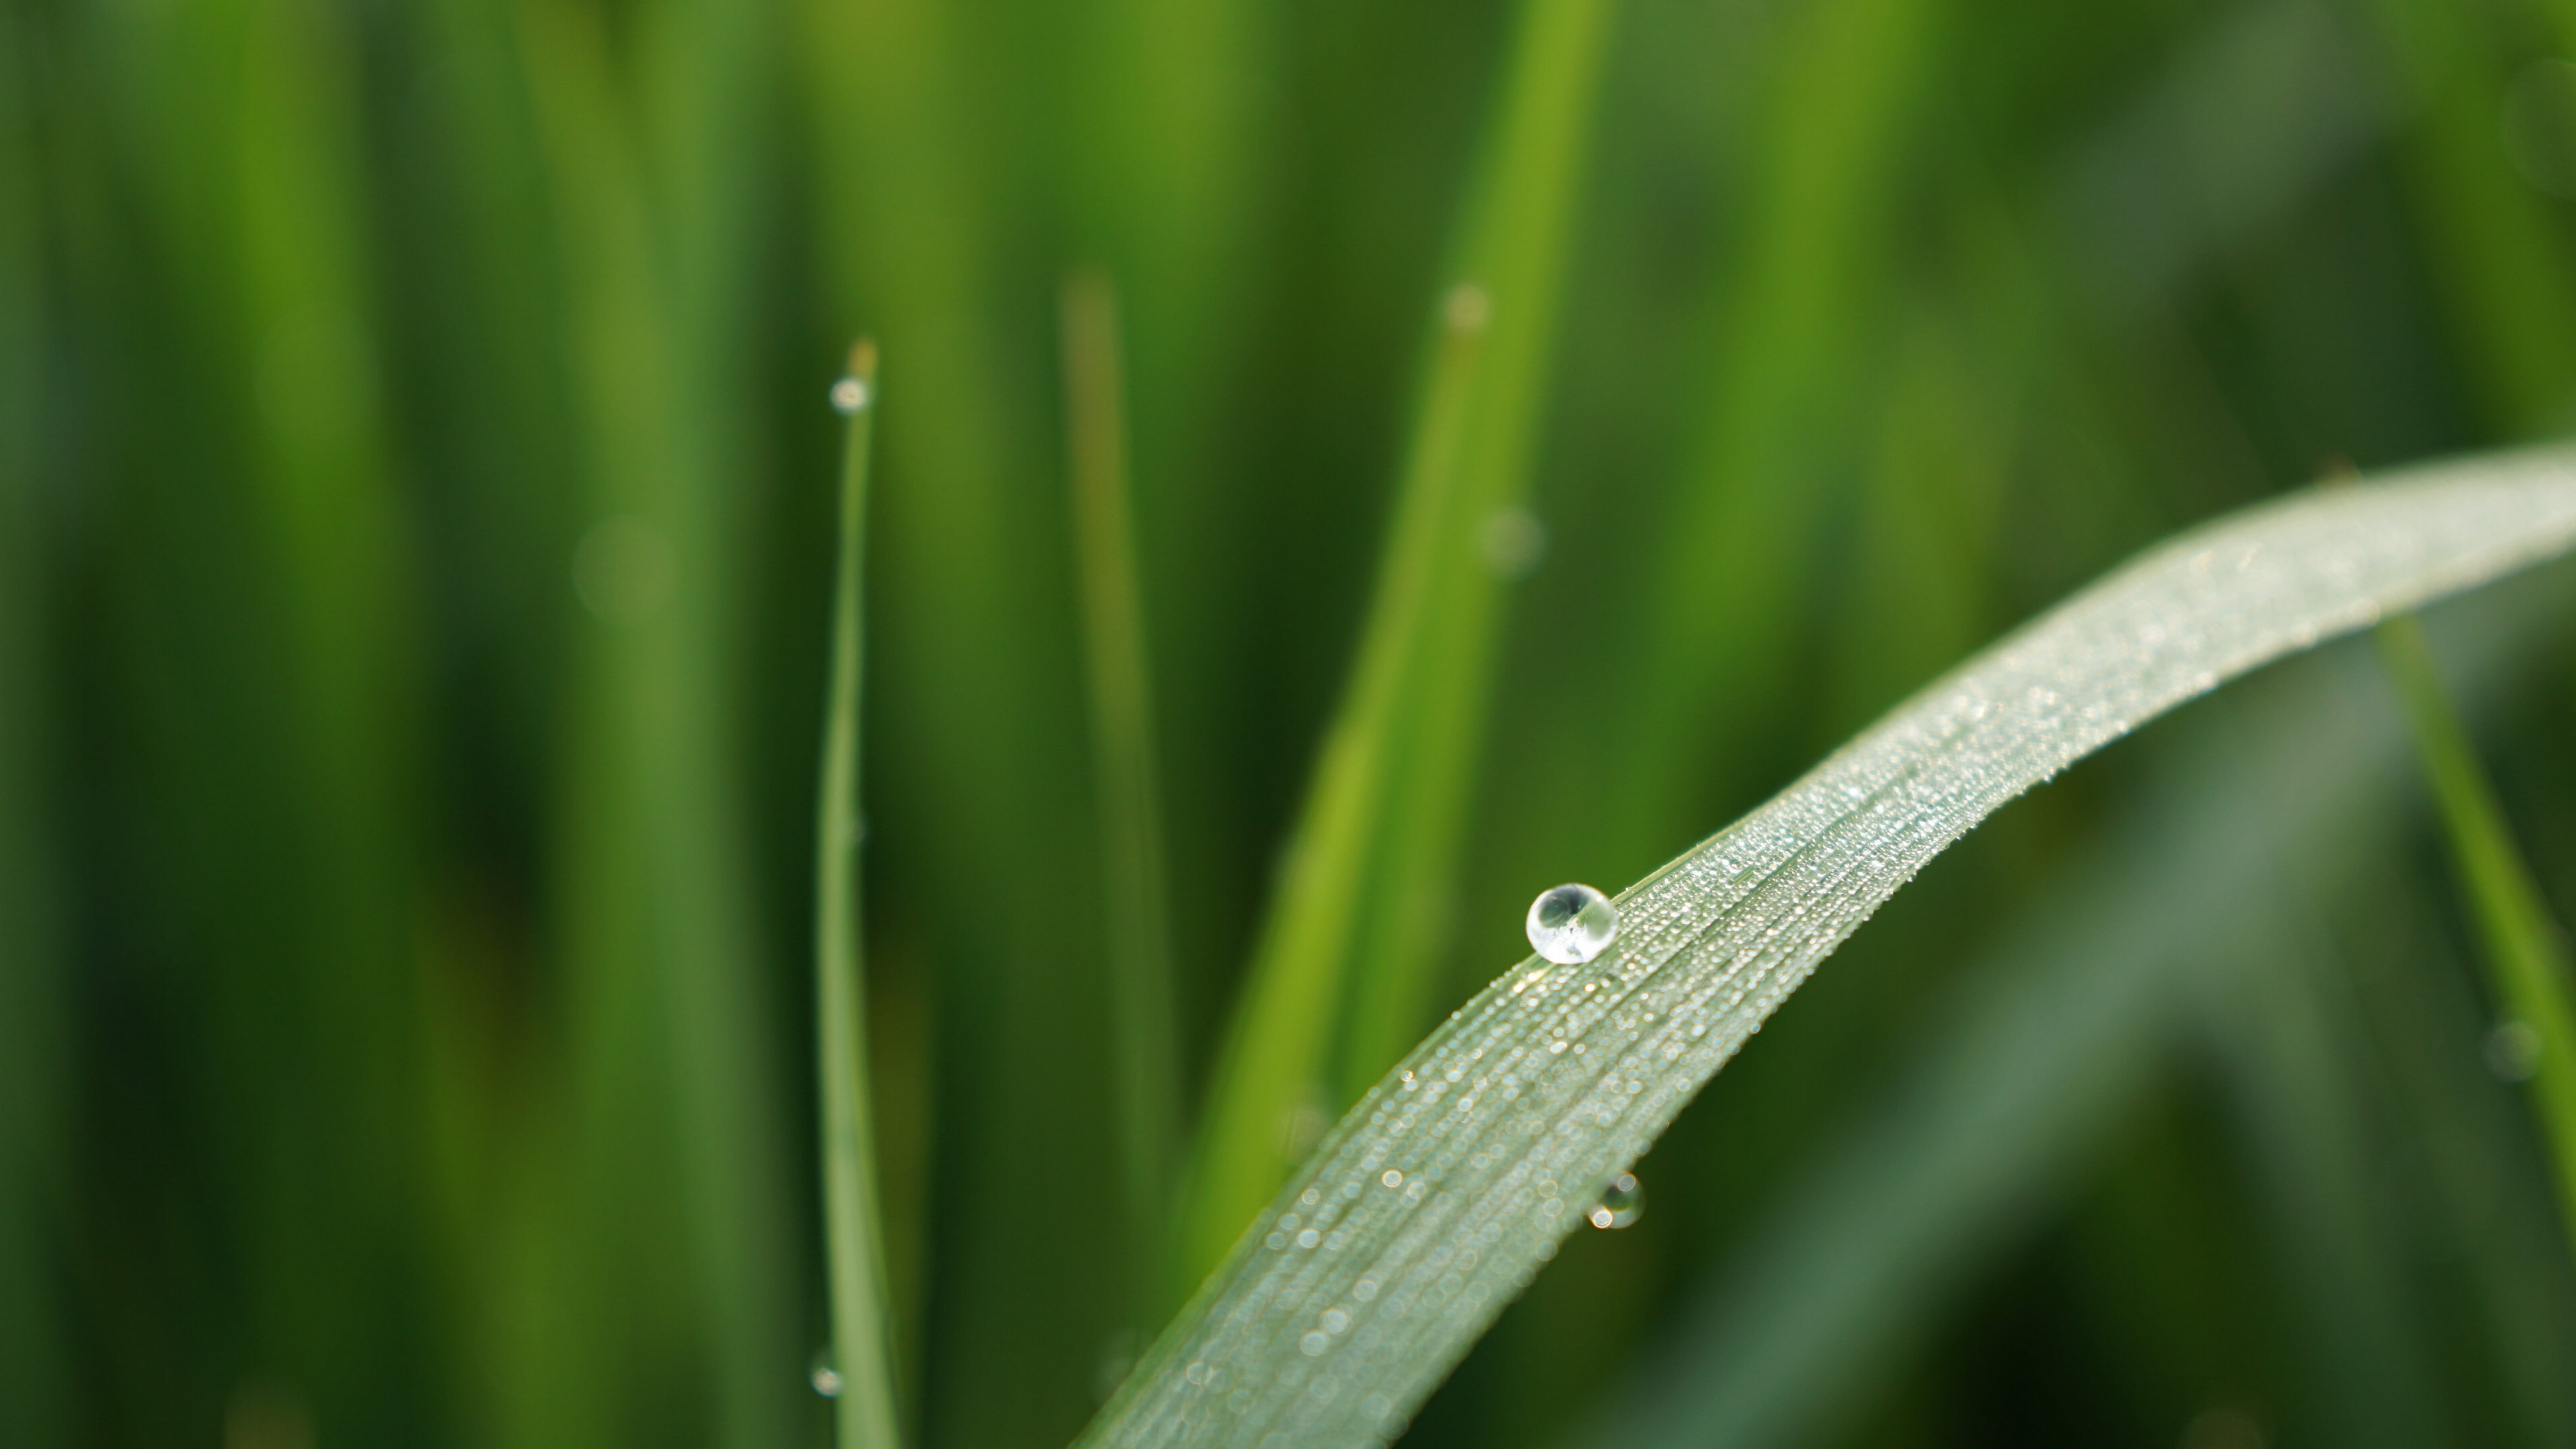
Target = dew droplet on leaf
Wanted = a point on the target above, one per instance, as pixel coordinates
(1621, 1204)
(1572, 924)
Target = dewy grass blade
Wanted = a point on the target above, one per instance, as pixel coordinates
(1374, 849)
(1122, 741)
(1448, 1186)
(2524, 951)
(2054, 1033)
(861, 1351)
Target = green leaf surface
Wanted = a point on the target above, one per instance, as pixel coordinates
(1449, 1185)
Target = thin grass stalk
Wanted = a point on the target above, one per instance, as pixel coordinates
(1138, 946)
(2523, 950)
(862, 1350)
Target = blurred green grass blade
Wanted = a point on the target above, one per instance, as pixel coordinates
(1448, 1186)
(2491, 1201)
(1516, 247)
(33, 1026)
(658, 917)
(1137, 910)
(1795, 310)
(975, 652)
(1371, 861)
(2283, 1041)
(861, 1319)
(2498, 255)
(2524, 950)
(1279, 1037)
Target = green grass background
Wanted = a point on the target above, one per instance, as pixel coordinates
(416, 508)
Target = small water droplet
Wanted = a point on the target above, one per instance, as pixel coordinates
(1621, 1204)
(824, 1374)
(849, 395)
(1314, 1344)
(1572, 924)
(2513, 1051)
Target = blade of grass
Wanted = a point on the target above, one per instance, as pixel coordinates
(1371, 862)
(1448, 1186)
(1792, 327)
(976, 654)
(2524, 951)
(1517, 242)
(2283, 1043)
(861, 1347)
(2490, 1201)
(2055, 1030)
(1138, 916)
(658, 918)
(1280, 1034)
(2497, 254)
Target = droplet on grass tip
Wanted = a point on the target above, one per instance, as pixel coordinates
(849, 395)
(1620, 1205)
(824, 1375)
(1572, 924)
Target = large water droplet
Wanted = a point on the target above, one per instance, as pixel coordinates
(849, 395)
(1572, 924)
(1621, 1204)
(824, 1374)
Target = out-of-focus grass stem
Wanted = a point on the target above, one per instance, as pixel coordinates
(1270, 1065)
(1371, 864)
(1139, 948)
(661, 928)
(2523, 949)
(861, 1349)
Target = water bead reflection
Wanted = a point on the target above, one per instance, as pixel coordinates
(1620, 1205)
(1572, 924)
(849, 395)
(824, 1375)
